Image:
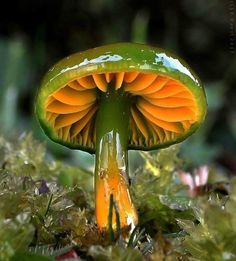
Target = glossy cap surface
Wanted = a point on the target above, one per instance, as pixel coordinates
(167, 100)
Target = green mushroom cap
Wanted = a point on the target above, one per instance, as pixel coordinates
(166, 100)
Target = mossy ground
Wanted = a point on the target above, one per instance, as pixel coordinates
(47, 210)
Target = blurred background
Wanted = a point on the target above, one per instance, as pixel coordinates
(36, 34)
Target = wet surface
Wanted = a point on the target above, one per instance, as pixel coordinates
(113, 181)
(112, 178)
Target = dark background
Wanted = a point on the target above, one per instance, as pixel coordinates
(36, 34)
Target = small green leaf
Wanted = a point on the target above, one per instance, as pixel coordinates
(117, 253)
(176, 202)
(26, 256)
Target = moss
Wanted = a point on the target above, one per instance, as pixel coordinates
(39, 217)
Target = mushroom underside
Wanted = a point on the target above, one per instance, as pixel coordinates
(162, 109)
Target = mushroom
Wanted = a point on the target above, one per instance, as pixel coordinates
(116, 98)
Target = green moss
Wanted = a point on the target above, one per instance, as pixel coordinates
(39, 217)
(213, 236)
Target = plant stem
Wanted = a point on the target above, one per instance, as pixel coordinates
(48, 205)
(110, 228)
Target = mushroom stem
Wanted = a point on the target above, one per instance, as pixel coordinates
(111, 170)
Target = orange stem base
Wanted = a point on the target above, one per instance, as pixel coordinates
(114, 181)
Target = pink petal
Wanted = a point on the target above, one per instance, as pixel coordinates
(186, 179)
(201, 176)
